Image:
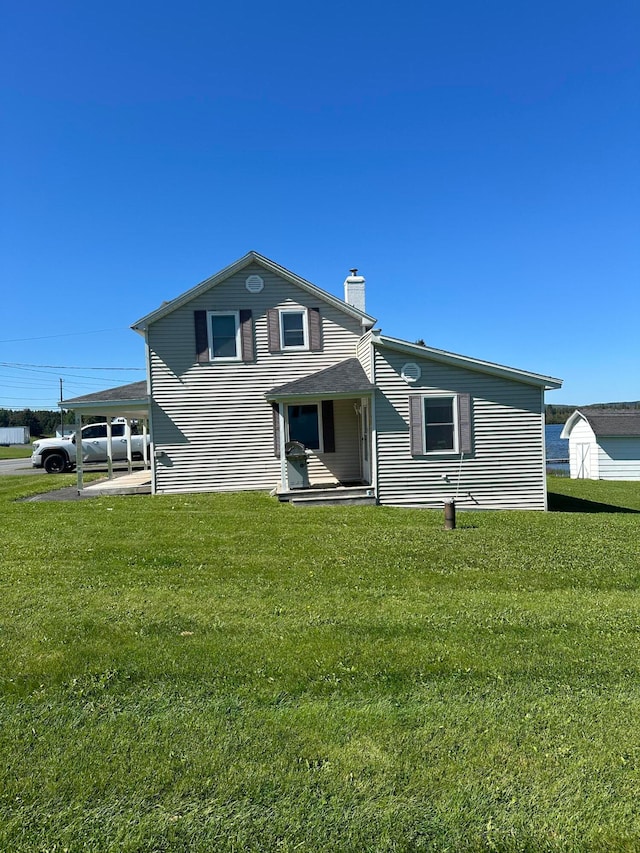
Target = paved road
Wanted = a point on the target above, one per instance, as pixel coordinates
(18, 466)
(23, 466)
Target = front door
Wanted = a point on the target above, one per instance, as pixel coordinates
(365, 440)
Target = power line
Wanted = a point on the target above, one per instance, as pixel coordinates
(68, 335)
(62, 366)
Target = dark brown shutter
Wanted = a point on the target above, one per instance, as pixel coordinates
(276, 429)
(246, 335)
(202, 338)
(315, 330)
(416, 424)
(273, 329)
(328, 428)
(464, 422)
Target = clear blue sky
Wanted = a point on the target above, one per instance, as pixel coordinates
(478, 163)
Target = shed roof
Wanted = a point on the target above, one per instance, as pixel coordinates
(613, 421)
(340, 380)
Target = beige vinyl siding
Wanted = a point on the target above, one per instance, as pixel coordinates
(582, 434)
(364, 352)
(619, 458)
(506, 469)
(211, 421)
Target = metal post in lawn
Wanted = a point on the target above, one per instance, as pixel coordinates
(450, 514)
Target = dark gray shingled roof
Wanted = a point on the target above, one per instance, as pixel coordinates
(347, 377)
(132, 391)
(613, 421)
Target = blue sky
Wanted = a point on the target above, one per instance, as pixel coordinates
(477, 162)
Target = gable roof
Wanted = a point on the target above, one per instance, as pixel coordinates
(465, 361)
(605, 422)
(250, 258)
(343, 379)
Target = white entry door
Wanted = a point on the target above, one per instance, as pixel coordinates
(365, 440)
(583, 456)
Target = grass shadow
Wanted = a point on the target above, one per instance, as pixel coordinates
(567, 503)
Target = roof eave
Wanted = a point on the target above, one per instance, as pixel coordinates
(549, 383)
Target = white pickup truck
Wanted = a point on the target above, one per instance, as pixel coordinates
(56, 455)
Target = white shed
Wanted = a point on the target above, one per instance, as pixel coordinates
(15, 435)
(604, 444)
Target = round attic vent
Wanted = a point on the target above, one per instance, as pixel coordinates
(254, 284)
(411, 372)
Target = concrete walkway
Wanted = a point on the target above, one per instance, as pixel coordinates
(136, 483)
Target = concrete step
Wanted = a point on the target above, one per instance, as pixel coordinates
(333, 500)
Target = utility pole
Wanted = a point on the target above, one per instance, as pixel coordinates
(61, 412)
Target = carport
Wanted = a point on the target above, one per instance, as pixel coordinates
(130, 402)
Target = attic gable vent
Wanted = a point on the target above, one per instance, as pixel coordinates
(411, 372)
(254, 284)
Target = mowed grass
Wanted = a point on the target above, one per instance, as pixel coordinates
(16, 451)
(224, 673)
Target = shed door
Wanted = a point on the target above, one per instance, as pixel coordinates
(583, 452)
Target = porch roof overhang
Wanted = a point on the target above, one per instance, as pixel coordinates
(131, 401)
(345, 379)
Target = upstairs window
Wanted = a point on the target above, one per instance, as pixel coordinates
(293, 329)
(224, 335)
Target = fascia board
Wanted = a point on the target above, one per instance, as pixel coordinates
(317, 396)
(548, 382)
(249, 258)
(571, 422)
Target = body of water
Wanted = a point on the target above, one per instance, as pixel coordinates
(557, 448)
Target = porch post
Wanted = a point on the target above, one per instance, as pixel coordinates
(145, 449)
(128, 428)
(109, 447)
(283, 461)
(79, 450)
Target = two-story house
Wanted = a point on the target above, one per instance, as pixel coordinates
(258, 379)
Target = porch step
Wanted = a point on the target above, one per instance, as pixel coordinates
(332, 496)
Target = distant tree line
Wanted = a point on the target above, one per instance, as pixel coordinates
(40, 422)
(559, 414)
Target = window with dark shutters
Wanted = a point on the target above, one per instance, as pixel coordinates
(214, 333)
(432, 427)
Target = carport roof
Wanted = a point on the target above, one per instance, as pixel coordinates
(129, 400)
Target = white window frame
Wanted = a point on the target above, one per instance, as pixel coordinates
(236, 317)
(456, 427)
(320, 448)
(305, 328)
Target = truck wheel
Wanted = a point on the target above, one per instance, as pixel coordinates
(55, 463)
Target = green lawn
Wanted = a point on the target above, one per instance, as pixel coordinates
(224, 673)
(16, 451)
